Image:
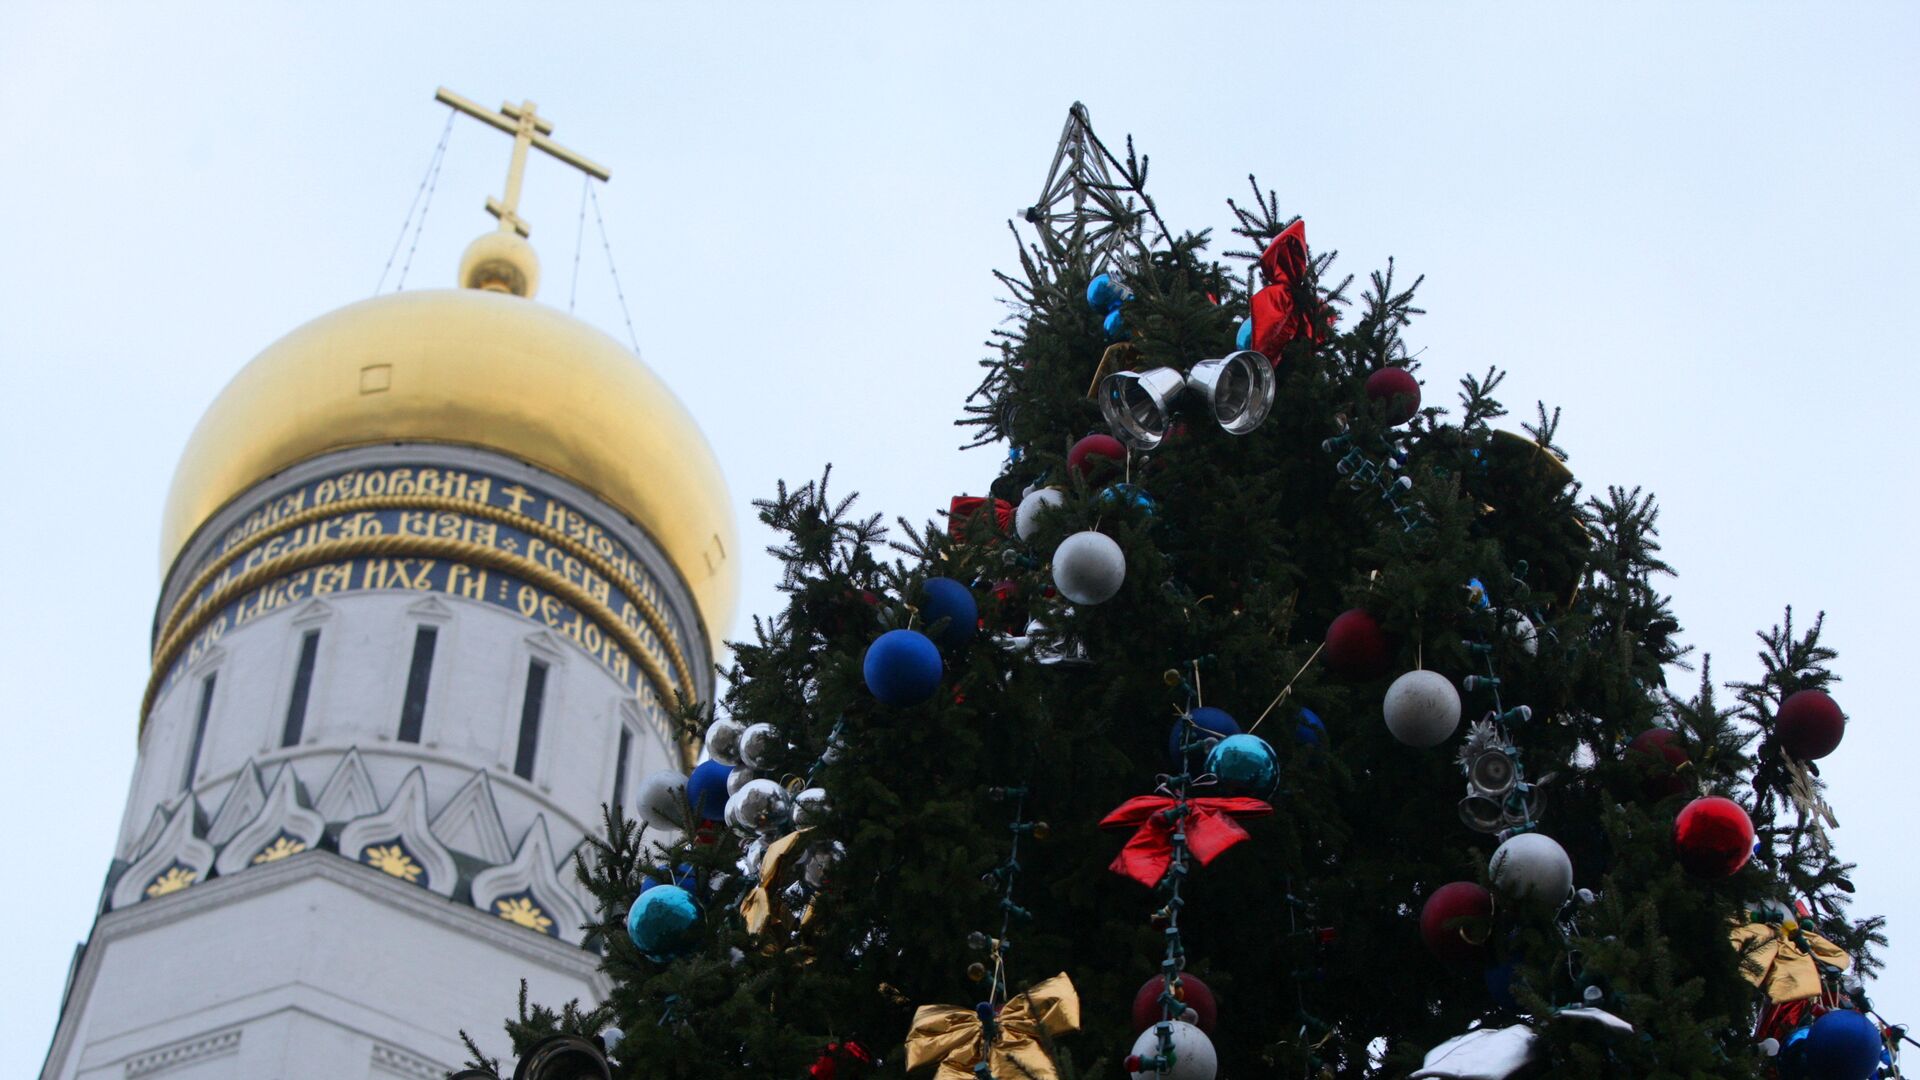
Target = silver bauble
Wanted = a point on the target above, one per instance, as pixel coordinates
(1089, 568)
(762, 806)
(760, 745)
(1027, 517)
(723, 741)
(1531, 866)
(820, 859)
(1422, 708)
(738, 778)
(1193, 1053)
(809, 808)
(661, 801)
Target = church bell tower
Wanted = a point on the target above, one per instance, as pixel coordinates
(436, 568)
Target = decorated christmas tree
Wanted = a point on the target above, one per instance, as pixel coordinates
(1272, 715)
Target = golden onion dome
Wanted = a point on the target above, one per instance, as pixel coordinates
(477, 367)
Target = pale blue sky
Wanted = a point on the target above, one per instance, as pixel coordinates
(1691, 226)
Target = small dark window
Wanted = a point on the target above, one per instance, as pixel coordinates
(530, 720)
(413, 712)
(199, 733)
(620, 768)
(302, 685)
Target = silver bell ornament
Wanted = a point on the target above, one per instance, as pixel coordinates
(1027, 518)
(1193, 1054)
(1422, 708)
(1089, 568)
(810, 808)
(1522, 630)
(1532, 867)
(760, 806)
(760, 746)
(661, 802)
(723, 741)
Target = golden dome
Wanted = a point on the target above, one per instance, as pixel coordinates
(477, 368)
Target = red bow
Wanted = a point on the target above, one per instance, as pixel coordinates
(851, 1054)
(1277, 318)
(1210, 830)
(961, 511)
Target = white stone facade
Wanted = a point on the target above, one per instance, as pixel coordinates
(344, 903)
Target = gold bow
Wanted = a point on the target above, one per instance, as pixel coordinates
(759, 908)
(952, 1035)
(1779, 964)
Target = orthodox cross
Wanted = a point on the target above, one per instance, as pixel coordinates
(528, 128)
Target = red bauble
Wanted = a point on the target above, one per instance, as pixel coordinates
(840, 1061)
(1196, 995)
(1714, 837)
(1091, 452)
(1809, 726)
(1398, 388)
(1356, 646)
(1456, 920)
(1651, 747)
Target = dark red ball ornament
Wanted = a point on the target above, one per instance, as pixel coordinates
(1714, 837)
(1091, 452)
(1455, 922)
(1648, 751)
(1191, 992)
(1399, 389)
(1809, 725)
(1356, 646)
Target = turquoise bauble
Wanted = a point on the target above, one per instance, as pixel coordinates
(1245, 764)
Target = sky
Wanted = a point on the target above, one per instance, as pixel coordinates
(1691, 227)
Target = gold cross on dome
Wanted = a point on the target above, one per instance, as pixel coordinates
(528, 128)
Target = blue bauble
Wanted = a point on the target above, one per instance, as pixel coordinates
(1245, 764)
(947, 599)
(1212, 725)
(1128, 495)
(661, 922)
(1500, 986)
(707, 790)
(902, 668)
(1106, 294)
(1244, 339)
(1310, 730)
(683, 877)
(1115, 326)
(1843, 1045)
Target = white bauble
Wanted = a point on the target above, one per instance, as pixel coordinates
(760, 806)
(1532, 866)
(738, 778)
(1422, 708)
(1089, 568)
(661, 802)
(1194, 1058)
(723, 741)
(760, 745)
(1027, 517)
(1522, 630)
(809, 808)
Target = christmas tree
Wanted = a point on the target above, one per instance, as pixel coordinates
(1152, 760)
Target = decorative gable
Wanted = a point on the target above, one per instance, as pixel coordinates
(177, 861)
(398, 840)
(283, 828)
(348, 793)
(470, 823)
(243, 803)
(527, 891)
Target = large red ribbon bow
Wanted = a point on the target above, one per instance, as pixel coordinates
(961, 510)
(1277, 317)
(1210, 828)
